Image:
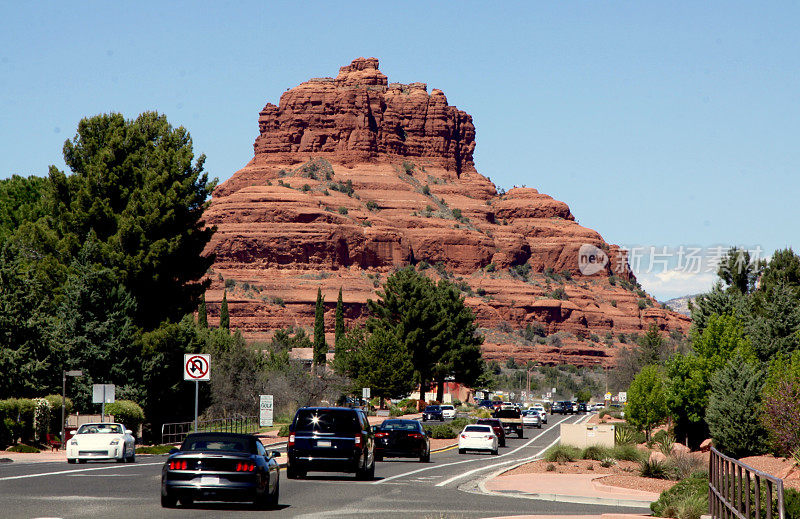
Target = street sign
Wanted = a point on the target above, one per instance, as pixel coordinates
(608, 396)
(103, 393)
(365, 393)
(549, 395)
(196, 367)
(265, 411)
(622, 397)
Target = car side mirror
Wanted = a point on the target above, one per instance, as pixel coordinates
(375, 428)
(174, 450)
(128, 431)
(274, 454)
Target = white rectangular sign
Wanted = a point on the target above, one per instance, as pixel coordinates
(265, 411)
(103, 393)
(365, 392)
(623, 396)
(196, 366)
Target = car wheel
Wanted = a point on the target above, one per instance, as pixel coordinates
(424, 419)
(81, 461)
(132, 459)
(503, 443)
(521, 434)
(495, 451)
(441, 419)
(71, 460)
(167, 500)
(186, 501)
(462, 451)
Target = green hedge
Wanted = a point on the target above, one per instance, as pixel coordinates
(688, 499)
(126, 412)
(55, 412)
(20, 411)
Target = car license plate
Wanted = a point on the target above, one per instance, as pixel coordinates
(323, 443)
(209, 480)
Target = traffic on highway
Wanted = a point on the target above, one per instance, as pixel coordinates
(315, 483)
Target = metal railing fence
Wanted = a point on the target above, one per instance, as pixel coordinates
(737, 490)
(176, 432)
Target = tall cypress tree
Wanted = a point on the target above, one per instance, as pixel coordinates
(320, 348)
(339, 318)
(224, 317)
(202, 314)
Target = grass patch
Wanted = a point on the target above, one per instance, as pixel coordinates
(154, 449)
(562, 454)
(627, 453)
(688, 499)
(21, 447)
(653, 469)
(595, 452)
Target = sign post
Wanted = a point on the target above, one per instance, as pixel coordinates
(103, 394)
(196, 367)
(265, 411)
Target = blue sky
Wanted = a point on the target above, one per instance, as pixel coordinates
(660, 124)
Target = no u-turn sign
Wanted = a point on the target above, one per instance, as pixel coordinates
(196, 366)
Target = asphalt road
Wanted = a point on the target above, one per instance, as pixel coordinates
(444, 488)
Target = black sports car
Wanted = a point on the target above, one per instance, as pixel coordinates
(220, 467)
(402, 439)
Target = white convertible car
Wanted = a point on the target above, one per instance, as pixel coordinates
(97, 441)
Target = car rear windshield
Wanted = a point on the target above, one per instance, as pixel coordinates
(478, 428)
(397, 425)
(432, 408)
(326, 421)
(214, 442)
(507, 413)
(100, 428)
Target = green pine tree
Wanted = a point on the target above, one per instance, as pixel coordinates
(224, 317)
(732, 421)
(339, 332)
(202, 314)
(320, 347)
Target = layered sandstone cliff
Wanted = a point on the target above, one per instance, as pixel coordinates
(353, 177)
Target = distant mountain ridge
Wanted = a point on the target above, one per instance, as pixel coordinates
(681, 304)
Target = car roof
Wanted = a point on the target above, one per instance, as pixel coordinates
(102, 423)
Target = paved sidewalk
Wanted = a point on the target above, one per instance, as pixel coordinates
(572, 488)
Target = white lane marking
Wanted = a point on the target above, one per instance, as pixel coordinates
(115, 467)
(488, 467)
(390, 478)
(531, 458)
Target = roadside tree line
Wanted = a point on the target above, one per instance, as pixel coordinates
(738, 380)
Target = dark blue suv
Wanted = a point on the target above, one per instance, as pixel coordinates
(330, 439)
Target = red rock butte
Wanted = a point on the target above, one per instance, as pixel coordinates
(353, 177)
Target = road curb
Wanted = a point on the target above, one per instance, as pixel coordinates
(564, 498)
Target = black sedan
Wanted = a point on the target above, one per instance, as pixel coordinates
(432, 412)
(402, 439)
(220, 467)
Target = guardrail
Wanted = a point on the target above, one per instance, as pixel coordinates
(176, 432)
(738, 490)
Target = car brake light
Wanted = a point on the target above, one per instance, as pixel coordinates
(291, 440)
(358, 439)
(463, 435)
(415, 435)
(245, 467)
(381, 434)
(490, 436)
(177, 465)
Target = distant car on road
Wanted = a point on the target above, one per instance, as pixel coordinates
(564, 407)
(511, 418)
(397, 438)
(531, 418)
(448, 411)
(497, 427)
(582, 407)
(478, 438)
(220, 467)
(432, 412)
(102, 440)
(330, 439)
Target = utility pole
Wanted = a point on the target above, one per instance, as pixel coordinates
(64, 374)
